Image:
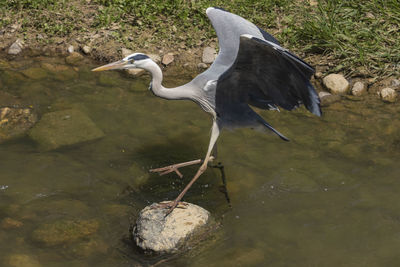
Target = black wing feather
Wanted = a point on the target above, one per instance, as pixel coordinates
(263, 75)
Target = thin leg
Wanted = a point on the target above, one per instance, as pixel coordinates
(175, 167)
(203, 167)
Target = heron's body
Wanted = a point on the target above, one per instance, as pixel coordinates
(251, 69)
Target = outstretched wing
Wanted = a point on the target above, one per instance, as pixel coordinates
(263, 75)
(228, 27)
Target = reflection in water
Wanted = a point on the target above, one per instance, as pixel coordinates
(330, 197)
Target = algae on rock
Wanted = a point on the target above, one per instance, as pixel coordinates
(63, 128)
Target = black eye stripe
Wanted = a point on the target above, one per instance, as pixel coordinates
(138, 57)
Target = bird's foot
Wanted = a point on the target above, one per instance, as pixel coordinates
(170, 205)
(175, 167)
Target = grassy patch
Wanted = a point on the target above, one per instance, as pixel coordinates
(359, 37)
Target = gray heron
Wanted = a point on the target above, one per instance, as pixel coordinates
(251, 69)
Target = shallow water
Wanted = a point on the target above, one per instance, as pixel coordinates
(330, 197)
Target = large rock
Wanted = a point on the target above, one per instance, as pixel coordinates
(63, 128)
(157, 233)
(336, 84)
(209, 55)
(388, 95)
(16, 47)
(14, 122)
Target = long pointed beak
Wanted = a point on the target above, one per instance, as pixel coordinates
(112, 66)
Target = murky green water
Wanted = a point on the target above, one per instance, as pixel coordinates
(330, 197)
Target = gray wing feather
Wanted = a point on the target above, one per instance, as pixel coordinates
(228, 27)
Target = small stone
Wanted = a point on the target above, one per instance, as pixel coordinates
(336, 84)
(168, 59)
(70, 49)
(395, 83)
(22, 260)
(156, 58)
(388, 95)
(202, 65)
(327, 98)
(126, 52)
(209, 55)
(86, 49)
(358, 89)
(159, 233)
(369, 15)
(16, 47)
(40, 36)
(318, 75)
(9, 223)
(313, 2)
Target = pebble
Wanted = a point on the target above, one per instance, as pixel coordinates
(388, 95)
(318, 75)
(16, 47)
(159, 233)
(358, 89)
(209, 55)
(86, 49)
(336, 83)
(202, 65)
(327, 98)
(168, 59)
(70, 49)
(395, 83)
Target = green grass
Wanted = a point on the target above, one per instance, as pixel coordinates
(359, 37)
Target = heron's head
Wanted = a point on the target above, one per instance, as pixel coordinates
(133, 61)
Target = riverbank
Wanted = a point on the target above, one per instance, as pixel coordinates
(359, 40)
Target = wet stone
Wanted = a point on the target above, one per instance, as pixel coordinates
(22, 260)
(74, 58)
(16, 47)
(140, 176)
(64, 231)
(358, 89)
(156, 232)
(10, 223)
(388, 95)
(336, 84)
(64, 128)
(327, 98)
(14, 122)
(35, 73)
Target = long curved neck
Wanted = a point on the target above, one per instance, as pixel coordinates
(161, 91)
